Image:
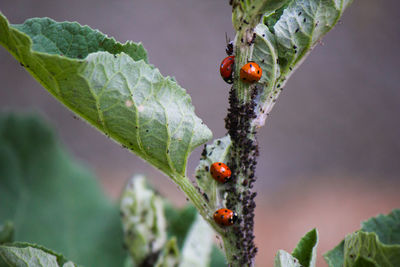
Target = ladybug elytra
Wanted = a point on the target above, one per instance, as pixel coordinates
(220, 172)
(225, 217)
(250, 73)
(226, 69)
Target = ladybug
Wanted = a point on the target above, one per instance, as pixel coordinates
(251, 72)
(225, 217)
(220, 172)
(226, 69)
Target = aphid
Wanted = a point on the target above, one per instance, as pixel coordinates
(229, 46)
(251, 72)
(226, 69)
(225, 217)
(220, 172)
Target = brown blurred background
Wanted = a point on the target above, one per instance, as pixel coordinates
(330, 152)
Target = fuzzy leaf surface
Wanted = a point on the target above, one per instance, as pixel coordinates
(285, 38)
(112, 86)
(52, 200)
(218, 151)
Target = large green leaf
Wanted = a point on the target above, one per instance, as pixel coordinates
(30, 255)
(284, 39)
(218, 151)
(111, 86)
(382, 244)
(53, 201)
(306, 249)
(386, 227)
(361, 247)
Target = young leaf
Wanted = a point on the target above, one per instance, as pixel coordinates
(284, 259)
(143, 221)
(196, 250)
(306, 250)
(31, 255)
(285, 38)
(112, 87)
(366, 246)
(52, 200)
(218, 151)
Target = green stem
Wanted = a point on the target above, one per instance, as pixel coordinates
(198, 200)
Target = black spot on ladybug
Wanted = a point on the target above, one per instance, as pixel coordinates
(251, 66)
(258, 72)
(219, 164)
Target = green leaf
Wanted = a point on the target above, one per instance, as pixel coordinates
(306, 249)
(179, 221)
(6, 232)
(112, 87)
(367, 246)
(386, 227)
(54, 201)
(284, 259)
(335, 257)
(31, 255)
(285, 38)
(143, 221)
(218, 151)
(196, 250)
(387, 230)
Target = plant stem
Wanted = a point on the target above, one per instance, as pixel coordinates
(198, 200)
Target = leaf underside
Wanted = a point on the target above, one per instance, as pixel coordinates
(284, 39)
(218, 151)
(112, 86)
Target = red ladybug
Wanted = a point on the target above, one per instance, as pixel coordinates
(220, 172)
(225, 217)
(250, 73)
(226, 69)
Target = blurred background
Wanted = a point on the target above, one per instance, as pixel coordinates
(330, 152)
